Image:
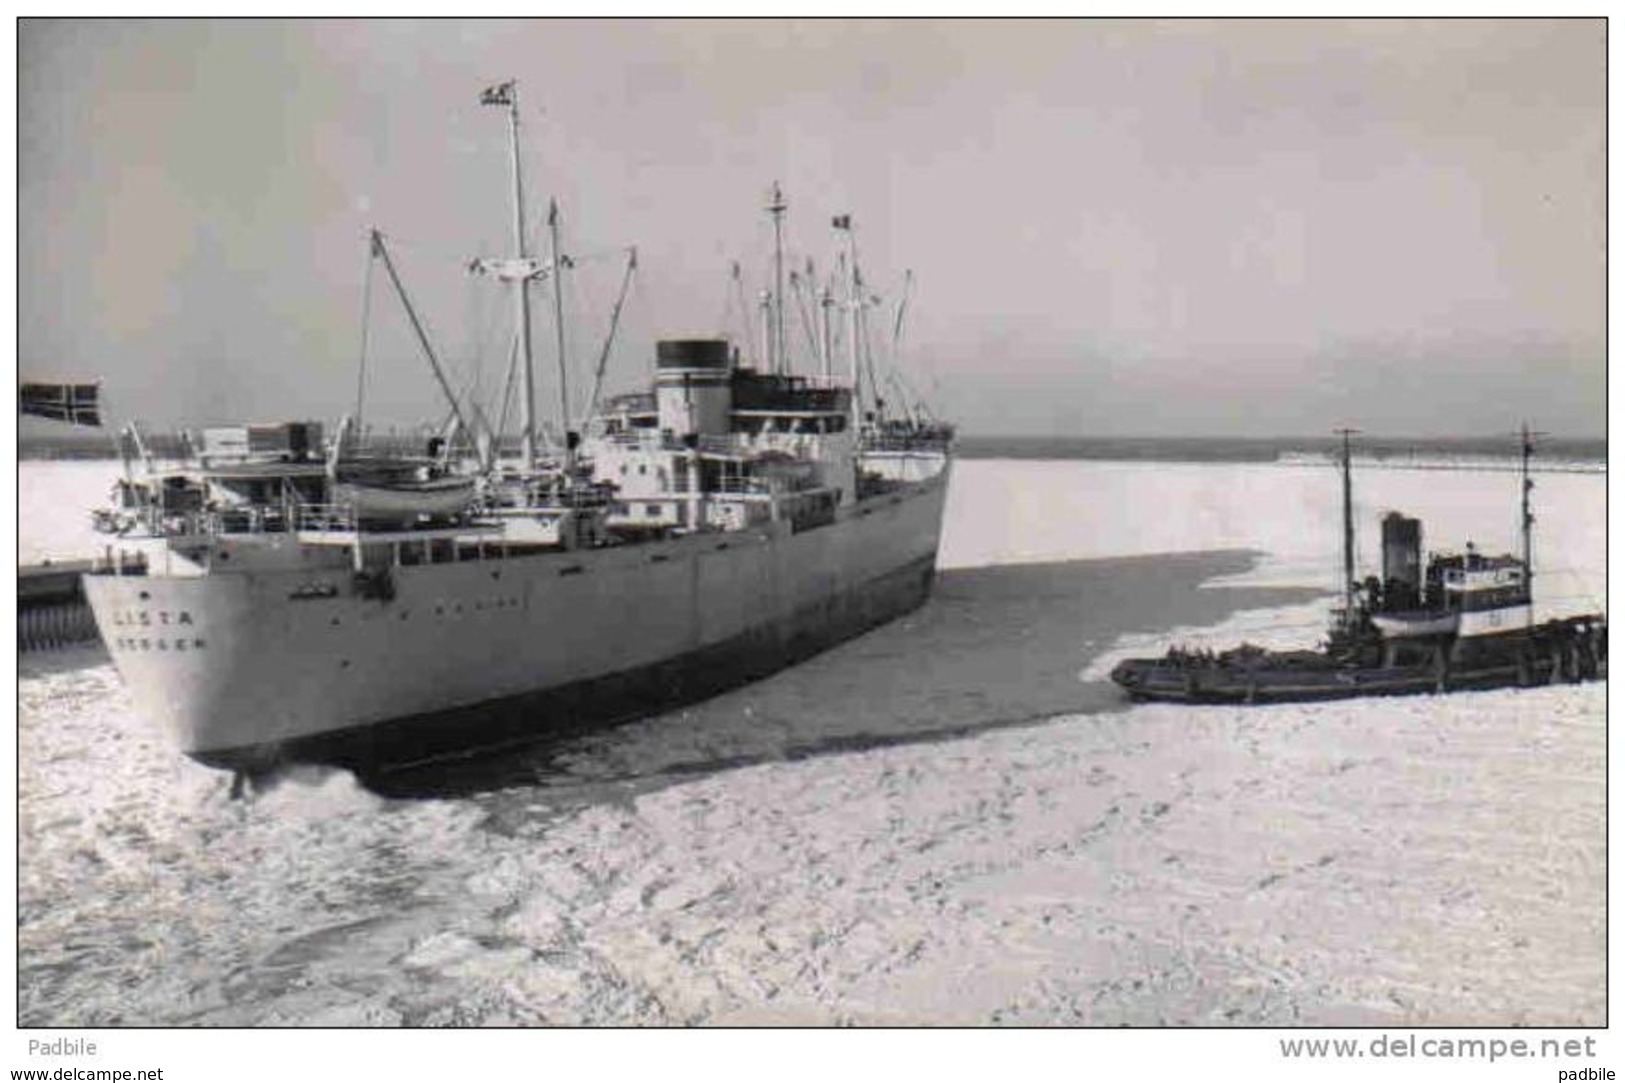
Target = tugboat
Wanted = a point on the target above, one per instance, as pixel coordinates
(1466, 621)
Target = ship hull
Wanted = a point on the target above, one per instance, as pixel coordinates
(598, 701)
(250, 669)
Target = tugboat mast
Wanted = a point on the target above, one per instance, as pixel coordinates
(1348, 529)
(1528, 523)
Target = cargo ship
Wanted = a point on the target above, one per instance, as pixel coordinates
(1461, 621)
(288, 595)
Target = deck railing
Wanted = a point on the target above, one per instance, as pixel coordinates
(660, 440)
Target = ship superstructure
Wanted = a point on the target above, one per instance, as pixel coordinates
(305, 598)
(1451, 603)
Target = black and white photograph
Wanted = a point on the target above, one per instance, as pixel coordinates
(896, 523)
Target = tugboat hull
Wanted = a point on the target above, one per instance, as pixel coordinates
(1556, 652)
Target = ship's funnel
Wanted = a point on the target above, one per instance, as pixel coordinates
(1401, 562)
(692, 385)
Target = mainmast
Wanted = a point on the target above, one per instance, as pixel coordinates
(764, 305)
(1348, 528)
(826, 340)
(779, 361)
(844, 222)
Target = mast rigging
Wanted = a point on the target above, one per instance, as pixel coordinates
(609, 340)
(382, 252)
(558, 327)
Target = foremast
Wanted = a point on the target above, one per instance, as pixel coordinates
(519, 270)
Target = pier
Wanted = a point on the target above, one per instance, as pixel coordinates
(51, 608)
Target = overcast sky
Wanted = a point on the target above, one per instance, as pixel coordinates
(1232, 228)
